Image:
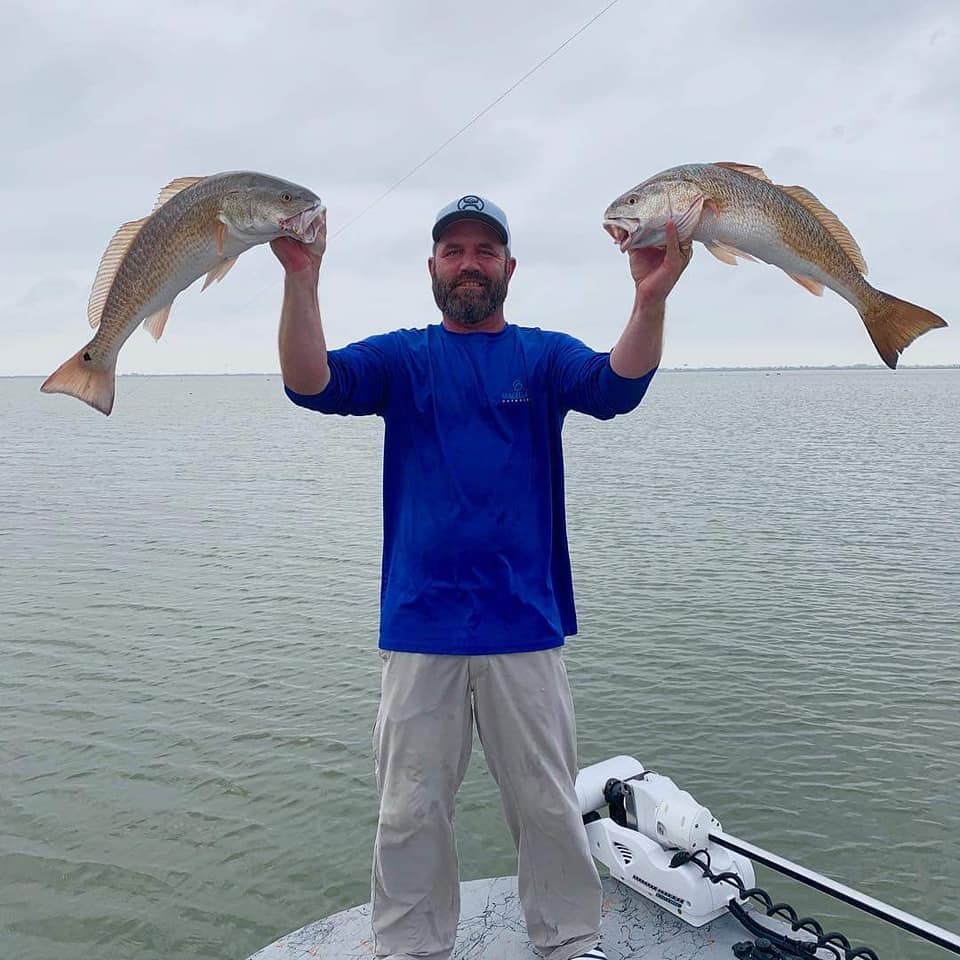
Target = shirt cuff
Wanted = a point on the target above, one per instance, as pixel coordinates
(313, 401)
(623, 393)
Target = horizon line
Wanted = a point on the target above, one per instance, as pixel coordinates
(686, 368)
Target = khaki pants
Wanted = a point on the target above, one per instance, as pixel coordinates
(524, 713)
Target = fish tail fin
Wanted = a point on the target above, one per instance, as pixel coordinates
(84, 378)
(893, 324)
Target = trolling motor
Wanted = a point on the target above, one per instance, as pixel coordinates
(659, 841)
(650, 819)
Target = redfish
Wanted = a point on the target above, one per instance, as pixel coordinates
(735, 210)
(199, 225)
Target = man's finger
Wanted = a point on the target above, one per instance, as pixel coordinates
(674, 252)
(673, 240)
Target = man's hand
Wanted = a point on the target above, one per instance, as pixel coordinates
(656, 271)
(296, 256)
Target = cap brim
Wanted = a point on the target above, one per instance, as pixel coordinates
(445, 222)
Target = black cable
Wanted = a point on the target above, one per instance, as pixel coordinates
(795, 948)
(836, 943)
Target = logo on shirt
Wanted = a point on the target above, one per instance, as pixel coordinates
(517, 395)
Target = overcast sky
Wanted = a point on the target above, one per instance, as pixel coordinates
(104, 103)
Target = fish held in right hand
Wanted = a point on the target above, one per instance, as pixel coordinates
(199, 225)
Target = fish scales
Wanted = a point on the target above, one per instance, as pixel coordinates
(751, 207)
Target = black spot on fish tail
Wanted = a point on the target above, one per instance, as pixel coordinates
(87, 357)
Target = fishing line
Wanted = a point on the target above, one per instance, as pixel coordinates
(472, 121)
(386, 193)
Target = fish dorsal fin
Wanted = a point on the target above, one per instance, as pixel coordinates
(174, 187)
(831, 223)
(748, 168)
(109, 265)
(155, 323)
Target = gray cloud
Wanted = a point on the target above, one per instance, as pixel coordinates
(112, 101)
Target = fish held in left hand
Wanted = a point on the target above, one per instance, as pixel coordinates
(735, 210)
(199, 225)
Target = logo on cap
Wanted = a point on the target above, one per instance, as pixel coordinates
(474, 203)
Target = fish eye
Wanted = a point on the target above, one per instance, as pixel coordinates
(631, 199)
(285, 197)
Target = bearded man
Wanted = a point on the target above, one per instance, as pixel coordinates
(476, 592)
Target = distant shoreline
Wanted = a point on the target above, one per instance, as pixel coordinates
(684, 369)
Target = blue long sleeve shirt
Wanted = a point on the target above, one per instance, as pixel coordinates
(475, 557)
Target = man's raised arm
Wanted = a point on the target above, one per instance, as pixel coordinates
(303, 350)
(654, 273)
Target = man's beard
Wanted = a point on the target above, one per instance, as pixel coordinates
(469, 307)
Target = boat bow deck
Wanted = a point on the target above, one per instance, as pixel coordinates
(492, 928)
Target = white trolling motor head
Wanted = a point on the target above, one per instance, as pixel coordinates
(650, 820)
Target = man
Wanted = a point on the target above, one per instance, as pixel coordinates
(476, 591)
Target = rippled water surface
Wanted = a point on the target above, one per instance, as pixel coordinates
(767, 578)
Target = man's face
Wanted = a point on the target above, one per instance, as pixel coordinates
(471, 270)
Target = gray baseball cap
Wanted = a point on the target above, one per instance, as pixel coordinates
(472, 207)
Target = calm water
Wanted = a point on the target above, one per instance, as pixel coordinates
(767, 576)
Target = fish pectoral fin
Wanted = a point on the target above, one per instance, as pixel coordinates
(727, 253)
(218, 272)
(221, 233)
(808, 283)
(109, 265)
(830, 222)
(174, 187)
(155, 323)
(748, 168)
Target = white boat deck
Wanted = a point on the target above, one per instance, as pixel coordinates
(491, 928)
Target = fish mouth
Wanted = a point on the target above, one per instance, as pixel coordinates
(306, 225)
(620, 231)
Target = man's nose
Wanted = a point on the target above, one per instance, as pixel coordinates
(470, 261)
